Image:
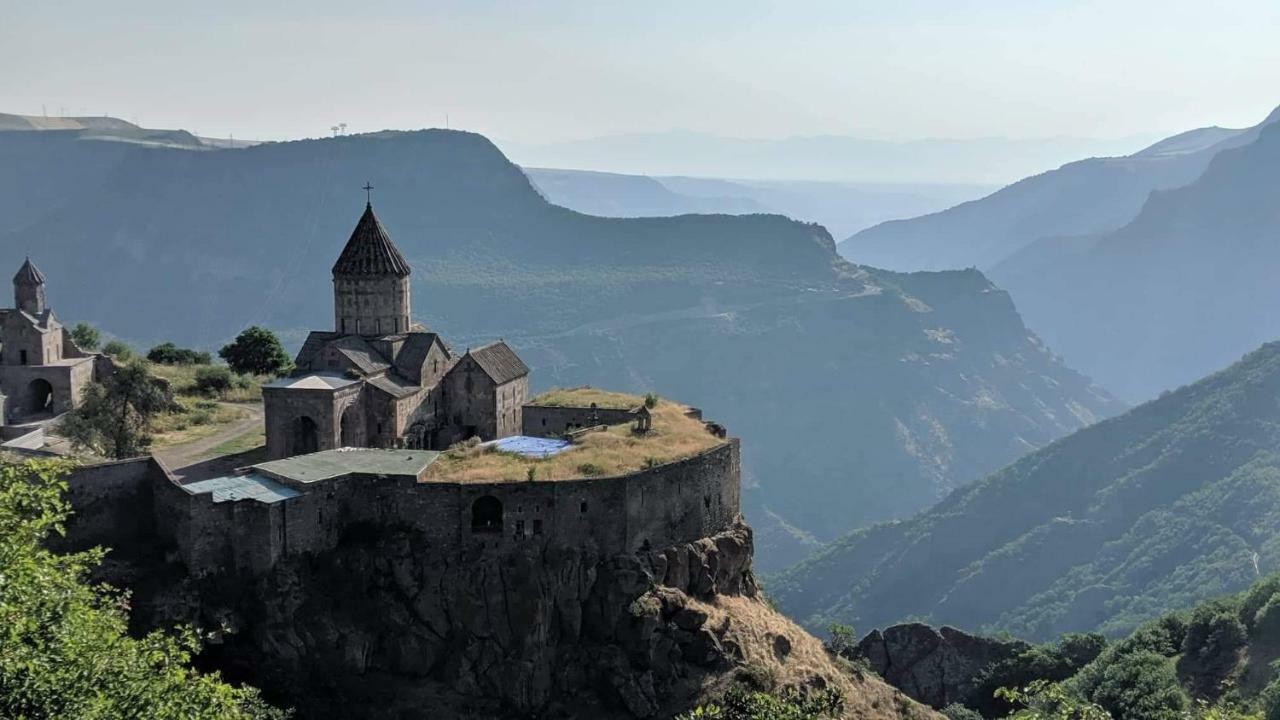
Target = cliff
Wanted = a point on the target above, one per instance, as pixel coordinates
(383, 626)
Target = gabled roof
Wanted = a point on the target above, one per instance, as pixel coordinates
(28, 275)
(365, 358)
(370, 251)
(499, 362)
(413, 353)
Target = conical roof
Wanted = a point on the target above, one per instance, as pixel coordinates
(28, 275)
(370, 250)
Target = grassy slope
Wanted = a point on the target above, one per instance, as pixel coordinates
(1171, 503)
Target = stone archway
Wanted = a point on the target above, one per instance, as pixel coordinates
(349, 428)
(304, 436)
(486, 514)
(39, 397)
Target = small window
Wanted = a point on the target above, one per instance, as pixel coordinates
(537, 526)
(23, 354)
(519, 528)
(583, 507)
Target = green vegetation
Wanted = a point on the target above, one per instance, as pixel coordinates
(256, 351)
(86, 336)
(64, 649)
(117, 350)
(742, 703)
(614, 451)
(170, 354)
(214, 381)
(1167, 506)
(186, 381)
(114, 417)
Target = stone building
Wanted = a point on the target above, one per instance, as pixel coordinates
(42, 372)
(380, 380)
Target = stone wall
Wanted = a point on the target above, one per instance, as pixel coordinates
(511, 398)
(283, 406)
(112, 503)
(548, 421)
(371, 305)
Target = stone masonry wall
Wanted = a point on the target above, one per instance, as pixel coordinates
(547, 421)
(112, 504)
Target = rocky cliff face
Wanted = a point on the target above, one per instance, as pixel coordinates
(935, 667)
(382, 627)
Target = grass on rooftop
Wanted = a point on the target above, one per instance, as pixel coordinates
(616, 451)
(584, 396)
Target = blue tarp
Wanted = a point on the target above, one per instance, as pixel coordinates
(533, 447)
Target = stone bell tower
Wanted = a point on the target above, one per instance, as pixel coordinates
(28, 290)
(371, 282)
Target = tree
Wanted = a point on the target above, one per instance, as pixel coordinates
(64, 647)
(170, 354)
(843, 640)
(86, 336)
(117, 350)
(257, 351)
(114, 417)
(1043, 700)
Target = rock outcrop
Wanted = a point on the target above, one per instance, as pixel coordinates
(382, 627)
(935, 667)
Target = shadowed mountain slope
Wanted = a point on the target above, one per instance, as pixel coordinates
(1167, 505)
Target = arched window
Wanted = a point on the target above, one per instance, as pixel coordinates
(304, 436)
(39, 397)
(486, 515)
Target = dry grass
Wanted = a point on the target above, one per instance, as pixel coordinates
(616, 451)
(584, 396)
(197, 420)
(182, 379)
(753, 625)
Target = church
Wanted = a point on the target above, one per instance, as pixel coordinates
(42, 372)
(379, 380)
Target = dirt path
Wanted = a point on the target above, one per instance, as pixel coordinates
(181, 456)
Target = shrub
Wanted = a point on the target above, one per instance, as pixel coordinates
(1140, 686)
(214, 380)
(651, 400)
(842, 640)
(956, 711)
(118, 350)
(170, 354)
(590, 469)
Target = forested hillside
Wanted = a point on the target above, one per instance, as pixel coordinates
(860, 395)
(1170, 504)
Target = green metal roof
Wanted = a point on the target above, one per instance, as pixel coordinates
(330, 464)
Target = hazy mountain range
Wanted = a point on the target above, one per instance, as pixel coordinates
(860, 395)
(842, 208)
(1086, 196)
(833, 158)
(1170, 504)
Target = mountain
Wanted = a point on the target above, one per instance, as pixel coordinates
(1188, 284)
(842, 208)
(833, 158)
(1219, 654)
(860, 395)
(1089, 196)
(1172, 503)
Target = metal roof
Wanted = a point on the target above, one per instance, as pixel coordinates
(233, 488)
(329, 464)
(313, 381)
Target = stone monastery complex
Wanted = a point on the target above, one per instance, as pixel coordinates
(356, 436)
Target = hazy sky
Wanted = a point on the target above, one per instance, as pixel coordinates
(558, 70)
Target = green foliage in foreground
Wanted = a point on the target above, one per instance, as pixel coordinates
(114, 417)
(64, 651)
(741, 703)
(1218, 661)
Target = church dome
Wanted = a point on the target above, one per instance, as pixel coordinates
(370, 251)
